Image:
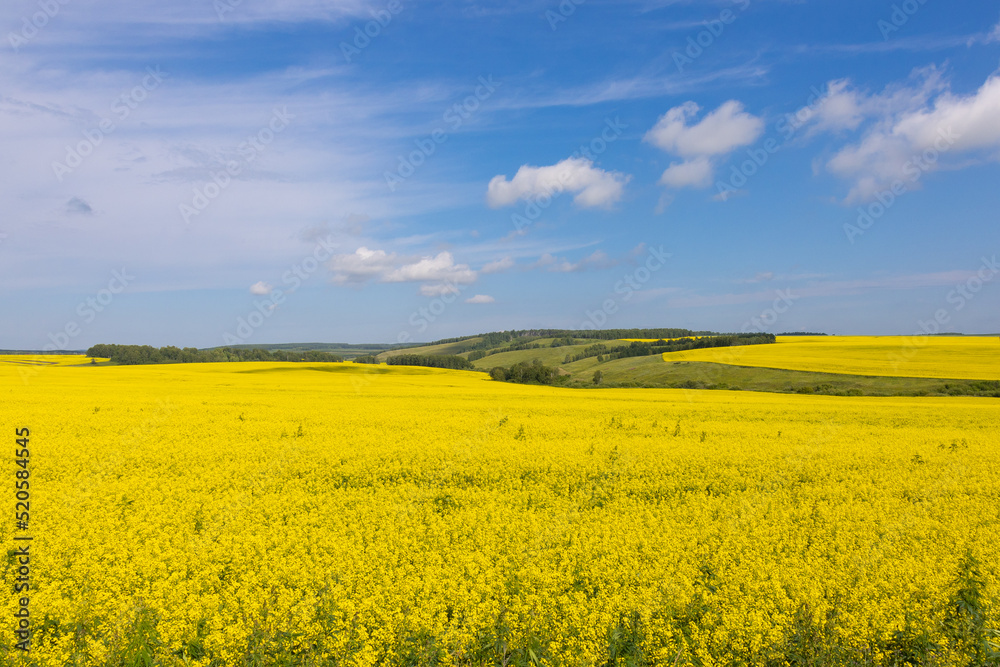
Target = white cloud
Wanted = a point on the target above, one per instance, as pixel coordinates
(842, 107)
(261, 288)
(995, 35)
(545, 260)
(716, 135)
(915, 133)
(595, 187)
(440, 273)
(838, 109)
(498, 266)
(361, 266)
(695, 173)
(439, 268)
(481, 298)
(182, 15)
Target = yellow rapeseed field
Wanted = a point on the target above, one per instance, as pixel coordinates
(949, 357)
(340, 514)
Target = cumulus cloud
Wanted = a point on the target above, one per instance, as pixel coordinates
(481, 298)
(700, 144)
(440, 273)
(918, 131)
(594, 187)
(842, 107)
(696, 173)
(439, 268)
(839, 108)
(718, 133)
(361, 266)
(498, 266)
(261, 288)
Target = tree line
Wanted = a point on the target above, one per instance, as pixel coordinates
(643, 349)
(524, 372)
(146, 354)
(497, 339)
(451, 361)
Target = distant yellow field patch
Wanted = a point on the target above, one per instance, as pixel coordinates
(653, 340)
(45, 359)
(948, 357)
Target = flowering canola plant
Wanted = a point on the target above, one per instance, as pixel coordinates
(947, 357)
(341, 514)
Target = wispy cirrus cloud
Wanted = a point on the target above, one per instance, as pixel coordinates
(598, 260)
(498, 266)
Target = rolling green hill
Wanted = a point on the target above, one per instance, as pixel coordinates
(453, 347)
(550, 356)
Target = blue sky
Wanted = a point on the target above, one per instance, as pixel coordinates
(222, 171)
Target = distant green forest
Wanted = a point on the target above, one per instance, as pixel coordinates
(145, 354)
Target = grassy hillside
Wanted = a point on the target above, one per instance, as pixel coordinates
(454, 347)
(550, 356)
